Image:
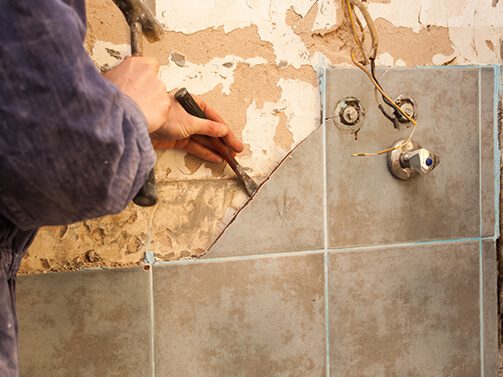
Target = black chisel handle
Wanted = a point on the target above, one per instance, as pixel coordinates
(189, 104)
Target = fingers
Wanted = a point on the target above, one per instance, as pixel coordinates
(206, 141)
(206, 127)
(231, 140)
(203, 140)
(181, 125)
(209, 111)
(190, 146)
(202, 152)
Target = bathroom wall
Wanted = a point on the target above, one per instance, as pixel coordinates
(257, 62)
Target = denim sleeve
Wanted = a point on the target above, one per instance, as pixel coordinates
(72, 146)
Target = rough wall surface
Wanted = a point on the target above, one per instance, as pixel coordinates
(256, 61)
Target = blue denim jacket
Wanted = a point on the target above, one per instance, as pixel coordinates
(72, 146)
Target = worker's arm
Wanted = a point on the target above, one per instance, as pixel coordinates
(72, 145)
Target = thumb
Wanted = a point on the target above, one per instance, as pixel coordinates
(207, 127)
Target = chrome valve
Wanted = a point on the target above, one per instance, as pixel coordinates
(410, 160)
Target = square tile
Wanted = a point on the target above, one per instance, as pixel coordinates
(286, 214)
(86, 324)
(366, 204)
(248, 318)
(411, 311)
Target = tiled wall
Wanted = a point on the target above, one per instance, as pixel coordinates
(334, 268)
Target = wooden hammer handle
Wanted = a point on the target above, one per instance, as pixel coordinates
(136, 39)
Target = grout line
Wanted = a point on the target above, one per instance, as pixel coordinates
(185, 262)
(481, 307)
(476, 66)
(152, 318)
(343, 249)
(481, 231)
(481, 260)
(325, 163)
(325, 222)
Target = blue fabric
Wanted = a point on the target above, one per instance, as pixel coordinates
(72, 146)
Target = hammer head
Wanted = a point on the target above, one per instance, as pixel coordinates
(136, 11)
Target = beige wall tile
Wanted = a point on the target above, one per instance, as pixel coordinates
(410, 311)
(247, 318)
(367, 205)
(86, 324)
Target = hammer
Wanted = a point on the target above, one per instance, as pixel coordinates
(141, 21)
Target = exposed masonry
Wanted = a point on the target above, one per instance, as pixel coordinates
(256, 61)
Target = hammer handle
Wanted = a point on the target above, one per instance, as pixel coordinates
(147, 196)
(191, 106)
(136, 39)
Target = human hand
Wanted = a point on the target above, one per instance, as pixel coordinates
(137, 78)
(170, 126)
(186, 132)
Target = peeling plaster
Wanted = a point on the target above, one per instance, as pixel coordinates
(302, 108)
(268, 15)
(202, 78)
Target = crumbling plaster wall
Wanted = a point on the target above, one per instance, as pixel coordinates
(256, 61)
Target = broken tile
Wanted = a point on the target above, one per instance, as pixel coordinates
(262, 317)
(88, 323)
(287, 212)
(411, 311)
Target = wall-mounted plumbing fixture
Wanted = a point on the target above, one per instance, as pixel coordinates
(349, 115)
(410, 160)
(408, 106)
